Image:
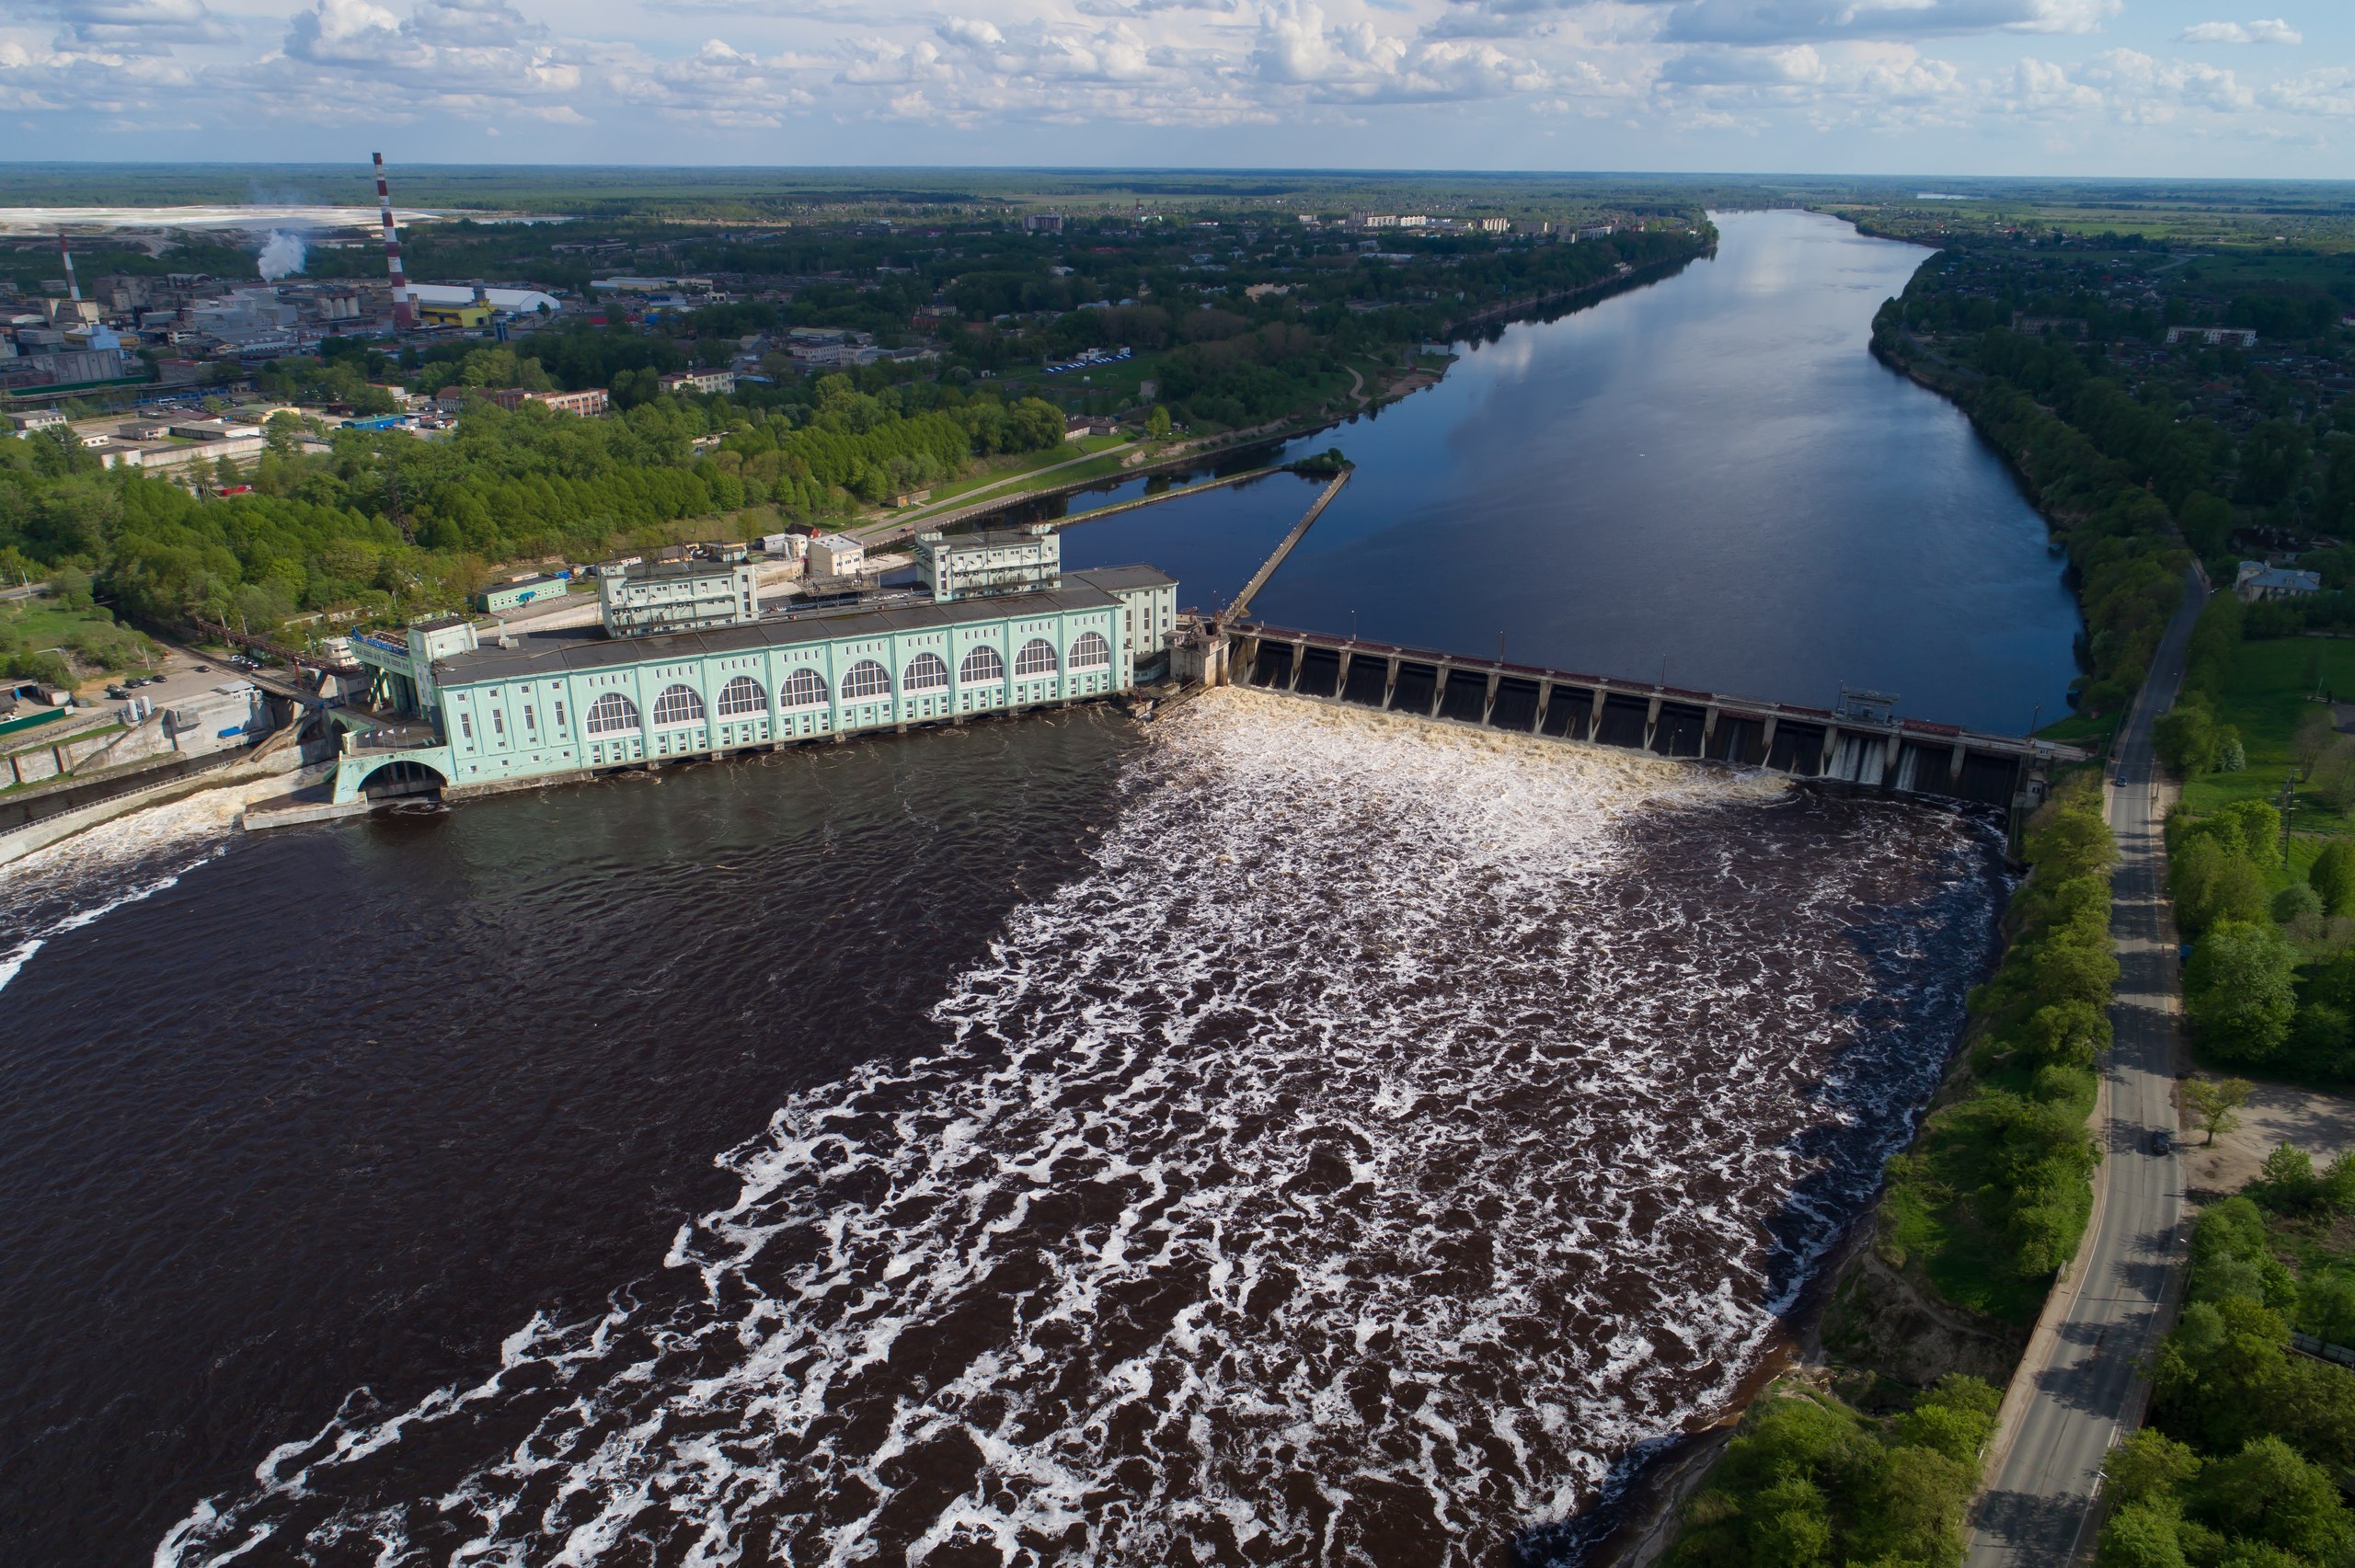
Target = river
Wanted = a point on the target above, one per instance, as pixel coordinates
(1707, 476)
(1274, 1135)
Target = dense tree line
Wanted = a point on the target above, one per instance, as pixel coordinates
(2252, 999)
(2005, 1170)
(2118, 485)
(392, 522)
(1812, 1483)
(2249, 1438)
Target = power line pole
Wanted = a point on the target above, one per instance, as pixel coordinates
(2289, 809)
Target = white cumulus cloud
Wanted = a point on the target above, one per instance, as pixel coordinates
(2261, 32)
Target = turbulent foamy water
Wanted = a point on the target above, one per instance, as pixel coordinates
(50, 891)
(1396, 1127)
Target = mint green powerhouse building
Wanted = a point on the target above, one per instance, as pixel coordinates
(558, 704)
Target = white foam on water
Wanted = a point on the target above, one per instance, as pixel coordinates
(1371, 1151)
(78, 881)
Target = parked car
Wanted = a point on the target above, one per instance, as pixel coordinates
(118, 692)
(2162, 1143)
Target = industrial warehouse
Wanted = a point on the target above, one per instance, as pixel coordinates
(684, 665)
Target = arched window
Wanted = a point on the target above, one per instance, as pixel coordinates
(980, 667)
(805, 687)
(1036, 657)
(926, 673)
(609, 713)
(677, 705)
(1091, 652)
(866, 678)
(741, 695)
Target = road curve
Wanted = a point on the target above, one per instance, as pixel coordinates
(2038, 1505)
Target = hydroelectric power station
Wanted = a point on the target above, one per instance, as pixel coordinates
(685, 664)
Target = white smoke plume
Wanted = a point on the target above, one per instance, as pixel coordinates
(282, 256)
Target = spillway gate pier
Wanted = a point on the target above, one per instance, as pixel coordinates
(1861, 748)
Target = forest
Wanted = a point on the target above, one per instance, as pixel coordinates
(2248, 1440)
(391, 524)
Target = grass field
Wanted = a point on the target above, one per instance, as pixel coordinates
(94, 644)
(2273, 683)
(1027, 474)
(1121, 382)
(2081, 729)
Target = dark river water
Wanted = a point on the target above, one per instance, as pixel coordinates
(1271, 1136)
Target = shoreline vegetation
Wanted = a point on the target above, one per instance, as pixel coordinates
(330, 528)
(1868, 1450)
(2119, 377)
(2053, 335)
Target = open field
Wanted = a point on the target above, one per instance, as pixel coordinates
(2272, 683)
(90, 639)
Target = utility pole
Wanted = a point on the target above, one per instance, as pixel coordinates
(2288, 808)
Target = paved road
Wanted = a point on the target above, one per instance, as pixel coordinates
(2039, 1505)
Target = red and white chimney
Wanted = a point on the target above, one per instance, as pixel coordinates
(404, 313)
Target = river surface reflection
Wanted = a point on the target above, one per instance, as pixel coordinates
(1709, 476)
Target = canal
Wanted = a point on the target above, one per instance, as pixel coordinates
(1112, 1144)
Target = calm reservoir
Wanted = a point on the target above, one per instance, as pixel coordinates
(1709, 475)
(1275, 1135)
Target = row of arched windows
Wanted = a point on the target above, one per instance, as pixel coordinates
(865, 681)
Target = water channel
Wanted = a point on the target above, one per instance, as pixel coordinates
(1272, 1136)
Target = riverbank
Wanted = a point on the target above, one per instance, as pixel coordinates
(1391, 384)
(1889, 1310)
(1951, 1219)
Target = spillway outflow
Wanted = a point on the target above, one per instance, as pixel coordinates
(1398, 1125)
(80, 880)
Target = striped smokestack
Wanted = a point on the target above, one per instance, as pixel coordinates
(404, 313)
(71, 286)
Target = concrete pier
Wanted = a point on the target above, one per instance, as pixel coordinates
(1241, 604)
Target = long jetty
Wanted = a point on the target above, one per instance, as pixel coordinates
(875, 535)
(1241, 604)
(1864, 748)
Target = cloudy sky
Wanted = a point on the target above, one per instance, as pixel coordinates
(1914, 87)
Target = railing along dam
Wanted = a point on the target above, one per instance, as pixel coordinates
(1865, 752)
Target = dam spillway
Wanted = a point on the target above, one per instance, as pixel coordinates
(1860, 746)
